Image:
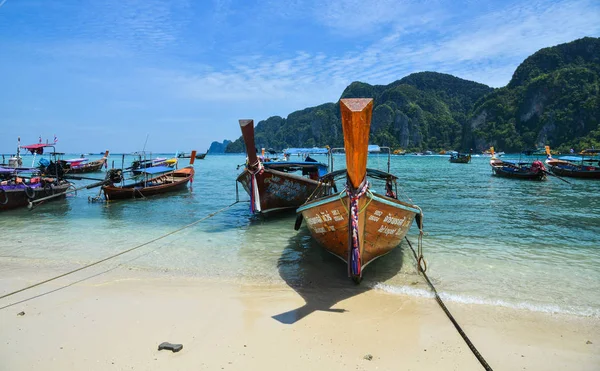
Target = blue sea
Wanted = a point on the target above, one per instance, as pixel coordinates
(489, 240)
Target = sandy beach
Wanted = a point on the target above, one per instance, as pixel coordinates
(115, 320)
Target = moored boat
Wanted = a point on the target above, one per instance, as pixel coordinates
(20, 187)
(358, 225)
(83, 165)
(174, 180)
(583, 166)
(200, 156)
(517, 169)
(277, 185)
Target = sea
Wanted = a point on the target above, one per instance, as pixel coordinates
(531, 245)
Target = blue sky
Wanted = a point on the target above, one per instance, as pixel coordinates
(105, 74)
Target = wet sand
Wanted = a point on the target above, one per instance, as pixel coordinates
(117, 319)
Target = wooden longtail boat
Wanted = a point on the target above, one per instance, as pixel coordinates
(80, 166)
(167, 182)
(460, 158)
(18, 190)
(518, 169)
(273, 186)
(357, 225)
(573, 166)
(201, 156)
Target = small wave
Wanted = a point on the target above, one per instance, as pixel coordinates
(465, 299)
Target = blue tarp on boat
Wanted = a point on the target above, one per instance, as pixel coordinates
(575, 159)
(297, 165)
(305, 151)
(155, 170)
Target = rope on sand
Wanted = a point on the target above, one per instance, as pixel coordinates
(121, 253)
(480, 358)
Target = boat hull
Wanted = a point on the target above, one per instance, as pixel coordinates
(576, 172)
(171, 182)
(18, 197)
(382, 224)
(89, 168)
(460, 160)
(278, 190)
(516, 173)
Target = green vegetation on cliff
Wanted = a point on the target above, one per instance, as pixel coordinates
(553, 98)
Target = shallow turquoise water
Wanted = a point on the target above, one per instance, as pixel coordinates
(533, 245)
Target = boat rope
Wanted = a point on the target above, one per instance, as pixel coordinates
(355, 194)
(120, 253)
(254, 192)
(422, 269)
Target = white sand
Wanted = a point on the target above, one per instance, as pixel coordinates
(116, 320)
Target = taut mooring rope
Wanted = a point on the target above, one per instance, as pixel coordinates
(118, 254)
(480, 358)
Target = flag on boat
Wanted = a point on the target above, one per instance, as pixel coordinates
(55, 138)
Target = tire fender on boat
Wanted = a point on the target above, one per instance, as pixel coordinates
(29, 192)
(3, 196)
(49, 189)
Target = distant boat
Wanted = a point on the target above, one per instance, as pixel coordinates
(81, 165)
(201, 156)
(278, 185)
(518, 169)
(358, 224)
(582, 166)
(460, 158)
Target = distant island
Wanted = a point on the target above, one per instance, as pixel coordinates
(216, 147)
(552, 99)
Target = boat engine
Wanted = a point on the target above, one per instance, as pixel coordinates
(115, 175)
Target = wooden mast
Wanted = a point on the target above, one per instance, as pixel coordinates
(247, 127)
(356, 124)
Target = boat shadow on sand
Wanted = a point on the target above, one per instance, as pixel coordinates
(321, 279)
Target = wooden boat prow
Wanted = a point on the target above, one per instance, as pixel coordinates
(358, 225)
(272, 186)
(356, 125)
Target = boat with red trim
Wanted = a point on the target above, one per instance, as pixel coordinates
(583, 166)
(518, 169)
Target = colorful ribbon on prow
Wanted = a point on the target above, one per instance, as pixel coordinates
(354, 261)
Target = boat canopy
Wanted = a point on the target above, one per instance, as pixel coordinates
(37, 148)
(306, 151)
(288, 166)
(76, 160)
(576, 159)
(515, 162)
(8, 170)
(156, 170)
